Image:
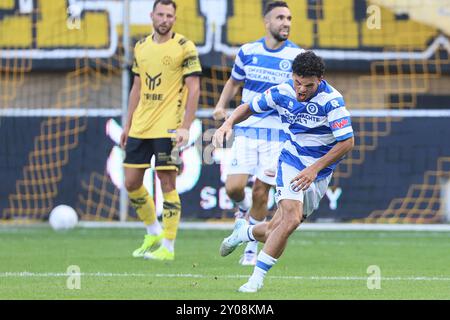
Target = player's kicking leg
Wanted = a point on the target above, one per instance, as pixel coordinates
(275, 242)
(243, 232)
(293, 207)
(265, 173)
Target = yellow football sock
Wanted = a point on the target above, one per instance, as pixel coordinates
(144, 205)
(171, 214)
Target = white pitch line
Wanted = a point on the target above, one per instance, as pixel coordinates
(203, 276)
(306, 226)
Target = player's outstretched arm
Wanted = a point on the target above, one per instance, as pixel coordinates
(303, 180)
(229, 91)
(239, 114)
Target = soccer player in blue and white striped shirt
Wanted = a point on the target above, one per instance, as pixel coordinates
(258, 140)
(320, 133)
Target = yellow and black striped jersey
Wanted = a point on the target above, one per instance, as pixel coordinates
(162, 69)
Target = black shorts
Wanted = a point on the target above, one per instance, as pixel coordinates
(139, 153)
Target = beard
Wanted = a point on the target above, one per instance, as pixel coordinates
(162, 33)
(280, 38)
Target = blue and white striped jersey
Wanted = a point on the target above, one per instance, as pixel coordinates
(313, 127)
(261, 68)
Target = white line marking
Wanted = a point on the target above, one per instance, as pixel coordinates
(306, 226)
(26, 274)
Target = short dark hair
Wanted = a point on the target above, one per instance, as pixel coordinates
(166, 3)
(308, 64)
(274, 4)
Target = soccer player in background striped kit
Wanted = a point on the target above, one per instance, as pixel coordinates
(161, 108)
(319, 131)
(260, 65)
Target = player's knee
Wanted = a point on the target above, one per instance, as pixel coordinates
(132, 185)
(235, 192)
(291, 217)
(167, 186)
(167, 180)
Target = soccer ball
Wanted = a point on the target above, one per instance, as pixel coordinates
(63, 217)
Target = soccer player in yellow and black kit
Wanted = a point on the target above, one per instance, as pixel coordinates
(161, 108)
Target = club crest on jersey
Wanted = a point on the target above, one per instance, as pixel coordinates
(167, 60)
(312, 108)
(285, 65)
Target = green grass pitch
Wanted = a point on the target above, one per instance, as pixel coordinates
(315, 265)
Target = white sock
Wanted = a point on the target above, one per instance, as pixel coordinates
(253, 245)
(263, 264)
(253, 221)
(240, 214)
(246, 234)
(154, 228)
(169, 244)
